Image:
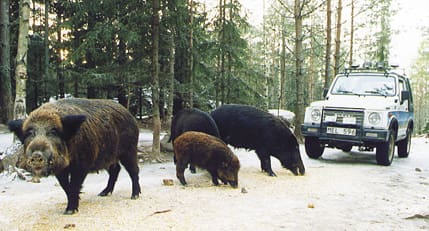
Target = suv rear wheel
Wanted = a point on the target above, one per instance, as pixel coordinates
(347, 148)
(404, 145)
(313, 147)
(386, 150)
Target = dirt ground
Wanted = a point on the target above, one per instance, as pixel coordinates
(342, 191)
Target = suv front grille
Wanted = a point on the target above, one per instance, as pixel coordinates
(343, 117)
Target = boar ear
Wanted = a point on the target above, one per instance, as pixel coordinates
(71, 124)
(15, 126)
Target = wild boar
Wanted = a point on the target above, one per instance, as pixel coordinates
(192, 120)
(72, 137)
(247, 127)
(207, 152)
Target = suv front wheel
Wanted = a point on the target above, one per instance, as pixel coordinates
(386, 150)
(313, 147)
(404, 145)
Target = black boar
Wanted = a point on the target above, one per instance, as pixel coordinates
(192, 120)
(207, 152)
(73, 137)
(248, 127)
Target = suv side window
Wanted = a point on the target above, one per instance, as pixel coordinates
(410, 101)
(402, 88)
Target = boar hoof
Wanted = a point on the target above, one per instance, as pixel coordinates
(103, 194)
(35, 179)
(183, 181)
(271, 174)
(70, 211)
(134, 197)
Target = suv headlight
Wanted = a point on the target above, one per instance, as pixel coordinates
(316, 114)
(374, 118)
(313, 115)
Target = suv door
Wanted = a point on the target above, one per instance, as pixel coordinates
(404, 108)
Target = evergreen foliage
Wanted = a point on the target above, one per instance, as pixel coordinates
(102, 49)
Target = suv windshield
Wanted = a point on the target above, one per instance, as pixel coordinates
(364, 85)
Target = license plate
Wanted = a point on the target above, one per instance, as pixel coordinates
(341, 131)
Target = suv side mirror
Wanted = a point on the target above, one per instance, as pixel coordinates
(405, 95)
(325, 92)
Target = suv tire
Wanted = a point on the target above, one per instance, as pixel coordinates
(386, 150)
(347, 148)
(313, 147)
(404, 146)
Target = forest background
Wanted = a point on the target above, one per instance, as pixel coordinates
(155, 57)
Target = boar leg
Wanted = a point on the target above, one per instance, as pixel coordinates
(113, 176)
(265, 162)
(180, 169)
(72, 187)
(192, 168)
(76, 180)
(63, 179)
(213, 173)
(130, 164)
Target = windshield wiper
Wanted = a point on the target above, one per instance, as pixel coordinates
(376, 92)
(347, 92)
(344, 91)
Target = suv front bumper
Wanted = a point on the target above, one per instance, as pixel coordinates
(363, 137)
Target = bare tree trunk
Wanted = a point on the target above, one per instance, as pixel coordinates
(156, 147)
(299, 75)
(311, 81)
(282, 66)
(222, 52)
(5, 80)
(191, 54)
(352, 31)
(46, 50)
(229, 64)
(21, 60)
(60, 69)
(328, 44)
(170, 82)
(217, 82)
(338, 39)
(271, 78)
(218, 78)
(264, 41)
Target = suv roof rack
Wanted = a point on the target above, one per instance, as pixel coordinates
(370, 67)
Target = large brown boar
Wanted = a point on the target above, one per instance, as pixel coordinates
(207, 152)
(73, 137)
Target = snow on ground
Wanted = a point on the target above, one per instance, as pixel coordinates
(341, 191)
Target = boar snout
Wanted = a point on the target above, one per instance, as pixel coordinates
(233, 183)
(40, 164)
(36, 159)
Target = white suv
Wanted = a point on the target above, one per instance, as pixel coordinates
(364, 107)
